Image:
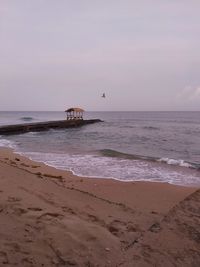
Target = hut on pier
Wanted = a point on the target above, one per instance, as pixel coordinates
(74, 113)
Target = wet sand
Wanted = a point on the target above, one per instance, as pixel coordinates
(54, 218)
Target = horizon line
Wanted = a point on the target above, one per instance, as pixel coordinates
(102, 111)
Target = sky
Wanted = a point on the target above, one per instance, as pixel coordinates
(143, 54)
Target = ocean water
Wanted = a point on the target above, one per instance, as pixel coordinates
(128, 146)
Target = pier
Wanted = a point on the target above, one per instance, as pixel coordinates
(43, 126)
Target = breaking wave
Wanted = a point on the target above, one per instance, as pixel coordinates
(7, 143)
(121, 155)
(26, 118)
(108, 167)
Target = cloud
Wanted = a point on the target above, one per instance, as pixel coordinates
(190, 93)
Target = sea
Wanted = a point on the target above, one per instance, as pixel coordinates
(127, 146)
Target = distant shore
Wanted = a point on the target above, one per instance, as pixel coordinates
(51, 217)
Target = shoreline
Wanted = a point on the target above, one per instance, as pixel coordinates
(176, 168)
(51, 217)
(93, 183)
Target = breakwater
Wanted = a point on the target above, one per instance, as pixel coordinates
(43, 126)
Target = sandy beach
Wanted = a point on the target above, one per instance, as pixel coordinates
(53, 218)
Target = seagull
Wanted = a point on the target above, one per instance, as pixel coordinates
(103, 95)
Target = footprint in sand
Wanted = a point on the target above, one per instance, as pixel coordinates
(24, 165)
(34, 166)
(19, 211)
(117, 227)
(94, 218)
(154, 212)
(113, 229)
(12, 209)
(51, 215)
(35, 209)
(14, 246)
(13, 162)
(68, 210)
(131, 228)
(155, 228)
(14, 199)
(3, 257)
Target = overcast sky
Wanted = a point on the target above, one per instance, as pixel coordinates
(144, 54)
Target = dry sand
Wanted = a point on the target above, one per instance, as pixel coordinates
(53, 218)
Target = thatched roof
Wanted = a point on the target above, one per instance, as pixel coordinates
(74, 109)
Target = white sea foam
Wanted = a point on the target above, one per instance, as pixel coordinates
(7, 143)
(179, 162)
(120, 169)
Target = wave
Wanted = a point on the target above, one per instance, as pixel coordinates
(151, 128)
(90, 165)
(7, 143)
(26, 118)
(117, 154)
(179, 162)
(121, 155)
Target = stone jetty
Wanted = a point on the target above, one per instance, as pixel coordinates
(43, 126)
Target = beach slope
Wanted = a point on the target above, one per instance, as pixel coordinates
(54, 218)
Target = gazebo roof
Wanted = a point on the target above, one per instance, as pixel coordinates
(75, 109)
